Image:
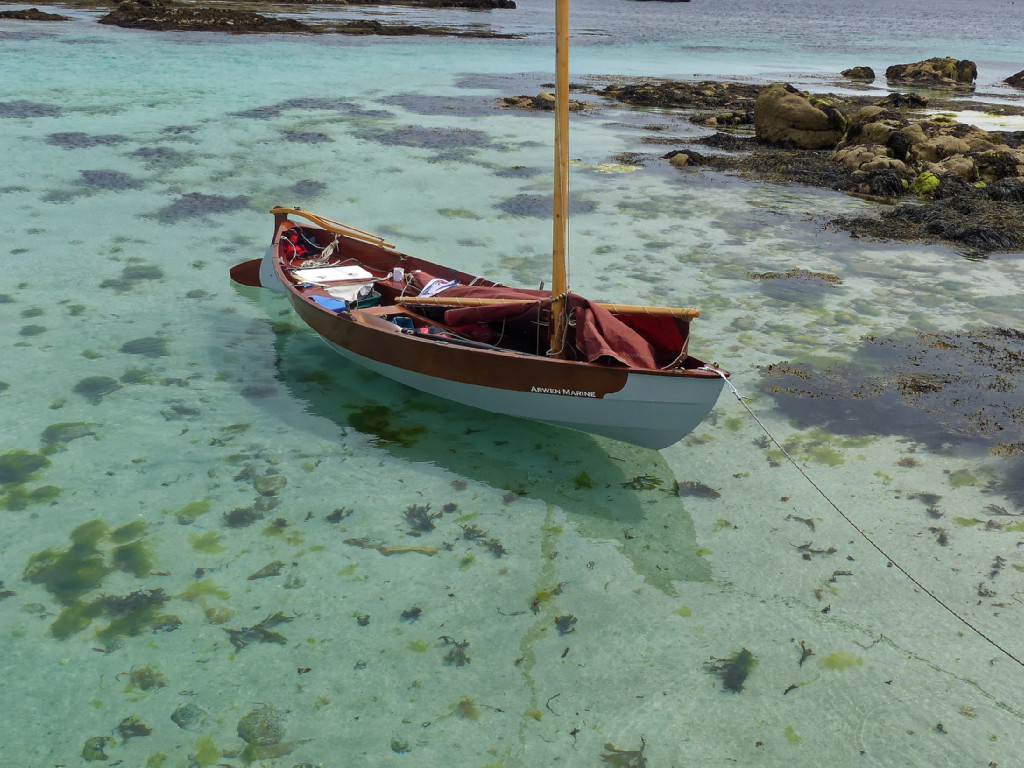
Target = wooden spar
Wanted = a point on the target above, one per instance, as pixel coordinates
(684, 313)
(335, 226)
(560, 234)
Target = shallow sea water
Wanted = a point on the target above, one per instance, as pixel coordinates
(208, 515)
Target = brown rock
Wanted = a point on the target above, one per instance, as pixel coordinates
(1017, 81)
(940, 72)
(859, 73)
(784, 115)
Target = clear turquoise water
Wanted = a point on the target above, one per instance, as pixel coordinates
(148, 398)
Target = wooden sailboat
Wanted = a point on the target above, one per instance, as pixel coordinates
(620, 371)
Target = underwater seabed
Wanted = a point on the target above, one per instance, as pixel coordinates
(226, 546)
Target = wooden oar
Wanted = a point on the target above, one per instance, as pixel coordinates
(335, 226)
(685, 313)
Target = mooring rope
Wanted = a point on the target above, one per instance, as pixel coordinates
(857, 528)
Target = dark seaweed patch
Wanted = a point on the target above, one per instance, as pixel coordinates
(65, 432)
(259, 633)
(196, 205)
(960, 388)
(20, 108)
(309, 104)
(424, 104)
(429, 138)
(150, 346)
(160, 157)
(131, 275)
(933, 388)
(115, 180)
(179, 130)
(541, 206)
(305, 137)
(378, 420)
(79, 140)
(733, 670)
(20, 466)
(306, 189)
(95, 388)
(519, 172)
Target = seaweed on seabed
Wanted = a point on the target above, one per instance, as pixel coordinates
(457, 653)
(625, 758)
(733, 670)
(420, 519)
(259, 633)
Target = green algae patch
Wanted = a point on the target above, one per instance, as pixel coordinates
(18, 497)
(198, 591)
(156, 760)
(129, 532)
(208, 542)
(207, 753)
(685, 612)
(418, 646)
(74, 619)
(188, 514)
(965, 522)
(348, 570)
(962, 477)
(18, 467)
(66, 431)
(583, 480)
(135, 558)
(841, 660)
(378, 420)
(68, 574)
(792, 736)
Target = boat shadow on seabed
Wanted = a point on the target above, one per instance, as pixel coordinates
(609, 490)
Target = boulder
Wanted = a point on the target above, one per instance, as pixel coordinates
(939, 148)
(866, 74)
(784, 115)
(1017, 81)
(941, 72)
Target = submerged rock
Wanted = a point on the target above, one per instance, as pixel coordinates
(189, 717)
(262, 726)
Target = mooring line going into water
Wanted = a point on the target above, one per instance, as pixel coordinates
(858, 529)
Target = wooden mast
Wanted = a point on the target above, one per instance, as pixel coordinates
(559, 279)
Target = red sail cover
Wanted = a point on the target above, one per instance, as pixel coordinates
(595, 334)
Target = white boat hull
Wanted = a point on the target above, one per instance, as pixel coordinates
(649, 411)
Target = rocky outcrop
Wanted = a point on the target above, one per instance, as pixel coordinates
(788, 117)
(667, 94)
(33, 14)
(1017, 81)
(935, 73)
(543, 101)
(169, 16)
(157, 15)
(865, 74)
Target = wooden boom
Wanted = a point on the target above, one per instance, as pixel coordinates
(685, 313)
(335, 226)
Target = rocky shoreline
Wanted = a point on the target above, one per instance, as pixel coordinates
(939, 180)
